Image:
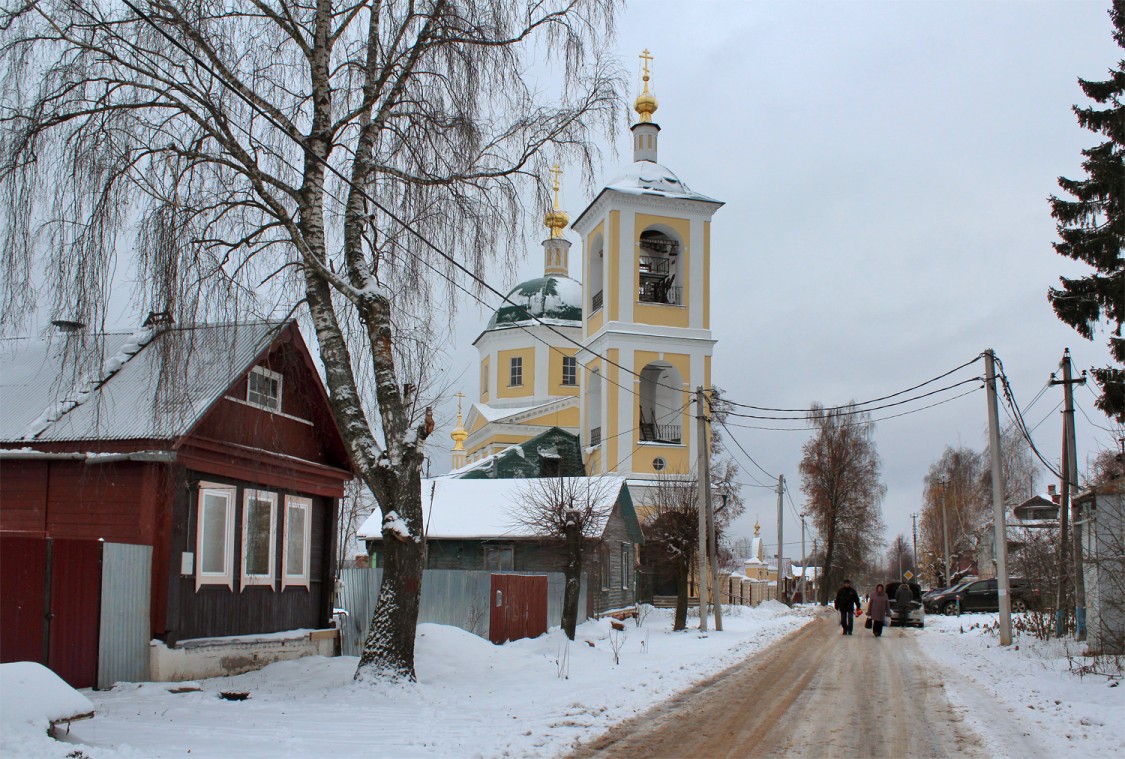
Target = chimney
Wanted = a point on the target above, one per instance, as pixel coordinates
(1054, 495)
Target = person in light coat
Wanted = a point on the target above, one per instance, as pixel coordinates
(878, 607)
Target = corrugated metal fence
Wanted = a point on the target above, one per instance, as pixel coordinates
(449, 597)
(123, 631)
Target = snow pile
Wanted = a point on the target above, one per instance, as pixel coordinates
(32, 694)
(528, 698)
(1031, 679)
(395, 525)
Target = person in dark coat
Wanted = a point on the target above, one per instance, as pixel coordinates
(877, 609)
(904, 596)
(847, 603)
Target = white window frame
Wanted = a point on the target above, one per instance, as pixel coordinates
(605, 569)
(626, 565)
(484, 379)
(514, 363)
(225, 577)
(570, 362)
(301, 580)
(268, 374)
(268, 578)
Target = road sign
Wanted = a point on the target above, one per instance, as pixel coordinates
(908, 575)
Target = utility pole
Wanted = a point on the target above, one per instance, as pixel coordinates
(1070, 489)
(914, 557)
(712, 540)
(1000, 530)
(804, 562)
(780, 538)
(818, 572)
(945, 532)
(701, 468)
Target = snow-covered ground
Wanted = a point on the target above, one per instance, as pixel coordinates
(473, 699)
(1030, 682)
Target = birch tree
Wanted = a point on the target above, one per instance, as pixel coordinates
(353, 157)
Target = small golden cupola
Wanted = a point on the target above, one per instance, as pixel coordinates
(459, 435)
(646, 130)
(556, 248)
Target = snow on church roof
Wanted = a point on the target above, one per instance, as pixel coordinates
(457, 508)
(649, 178)
(553, 299)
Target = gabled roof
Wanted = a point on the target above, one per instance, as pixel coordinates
(475, 509)
(146, 384)
(523, 459)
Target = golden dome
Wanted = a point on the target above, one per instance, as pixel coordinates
(646, 104)
(459, 434)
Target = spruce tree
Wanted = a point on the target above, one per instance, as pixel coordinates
(1091, 227)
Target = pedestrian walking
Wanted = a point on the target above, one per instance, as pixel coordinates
(877, 609)
(847, 603)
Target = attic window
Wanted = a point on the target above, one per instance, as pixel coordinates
(263, 389)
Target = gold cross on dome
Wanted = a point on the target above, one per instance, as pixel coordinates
(556, 170)
(458, 396)
(645, 57)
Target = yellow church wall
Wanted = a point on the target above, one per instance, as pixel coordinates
(484, 380)
(554, 382)
(567, 417)
(504, 375)
(480, 422)
(651, 313)
(707, 278)
(675, 458)
(502, 440)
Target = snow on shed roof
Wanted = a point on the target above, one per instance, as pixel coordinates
(483, 508)
(144, 384)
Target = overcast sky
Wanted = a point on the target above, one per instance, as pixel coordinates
(885, 168)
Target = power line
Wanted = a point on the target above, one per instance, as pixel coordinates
(749, 458)
(853, 412)
(863, 403)
(1018, 420)
(854, 424)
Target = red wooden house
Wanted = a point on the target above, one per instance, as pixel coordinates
(213, 444)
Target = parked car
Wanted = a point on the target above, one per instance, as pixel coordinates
(982, 595)
(916, 617)
(936, 602)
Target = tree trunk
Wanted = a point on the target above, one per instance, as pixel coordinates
(681, 570)
(572, 571)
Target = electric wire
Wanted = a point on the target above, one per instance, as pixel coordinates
(1017, 417)
(863, 403)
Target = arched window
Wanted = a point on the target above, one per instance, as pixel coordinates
(661, 400)
(660, 261)
(594, 409)
(596, 274)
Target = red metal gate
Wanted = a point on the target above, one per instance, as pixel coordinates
(518, 607)
(50, 595)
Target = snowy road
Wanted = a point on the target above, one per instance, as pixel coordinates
(820, 694)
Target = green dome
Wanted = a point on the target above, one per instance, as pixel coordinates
(553, 299)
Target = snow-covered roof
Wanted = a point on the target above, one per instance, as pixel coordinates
(144, 385)
(497, 413)
(554, 299)
(648, 178)
(459, 508)
(806, 572)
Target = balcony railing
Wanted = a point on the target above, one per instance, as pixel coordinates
(656, 292)
(655, 266)
(596, 302)
(660, 433)
(595, 436)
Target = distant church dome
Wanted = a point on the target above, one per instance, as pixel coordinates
(554, 299)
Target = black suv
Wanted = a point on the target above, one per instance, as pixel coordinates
(982, 595)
